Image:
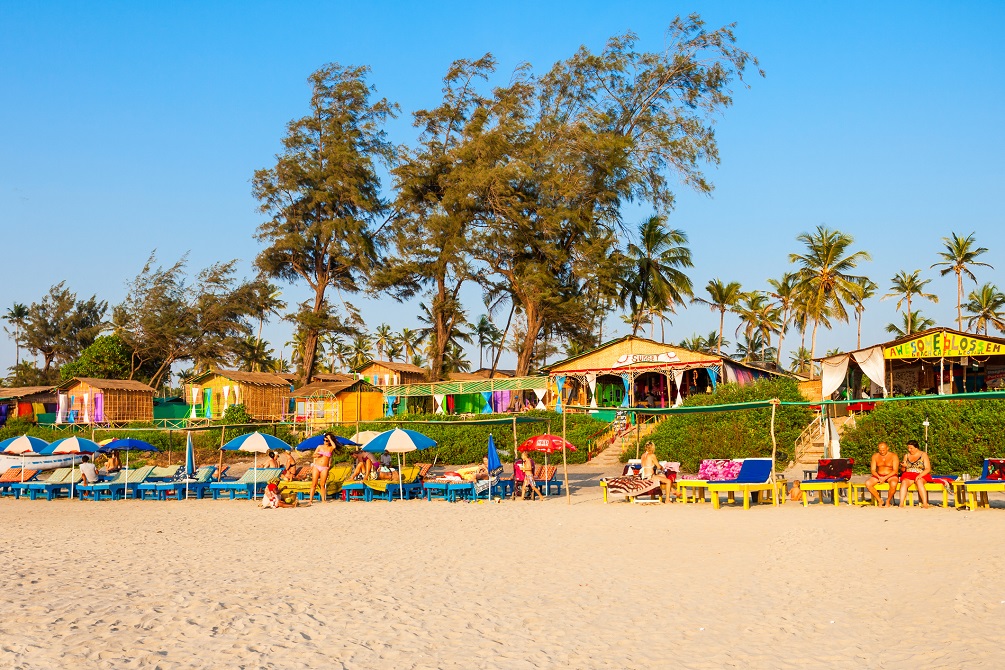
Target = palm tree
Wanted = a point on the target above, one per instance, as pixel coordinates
(454, 359)
(959, 256)
(486, 335)
(16, 316)
(913, 323)
(906, 285)
(383, 333)
(785, 293)
(267, 301)
(253, 355)
(394, 349)
(654, 281)
(410, 341)
(824, 276)
(360, 350)
(801, 361)
(865, 290)
(721, 298)
(987, 305)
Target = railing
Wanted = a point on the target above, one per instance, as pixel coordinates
(812, 433)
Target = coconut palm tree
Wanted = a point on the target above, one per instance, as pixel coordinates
(824, 275)
(486, 334)
(383, 338)
(394, 349)
(785, 295)
(254, 355)
(410, 341)
(907, 284)
(801, 361)
(912, 323)
(267, 301)
(16, 316)
(960, 255)
(986, 306)
(866, 289)
(721, 298)
(654, 282)
(360, 350)
(455, 360)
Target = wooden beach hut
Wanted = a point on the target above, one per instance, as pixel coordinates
(324, 403)
(86, 400)
(27, 403)
(265, 396)
(391, 373)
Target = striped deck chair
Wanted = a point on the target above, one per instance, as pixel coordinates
(116, 489)
(544, 477)
(58, 483)
(424, 469)
(13, 476)
(26, 488)
(251, 484)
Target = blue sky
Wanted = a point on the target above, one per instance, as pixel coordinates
(128, 127)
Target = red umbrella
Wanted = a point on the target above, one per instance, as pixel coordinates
(547, 444)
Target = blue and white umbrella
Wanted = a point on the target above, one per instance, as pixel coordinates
(494, 465)
(73, 445)
(319, 439)
(22, 446)
(126, 444)
(399, 441)
(256, 443)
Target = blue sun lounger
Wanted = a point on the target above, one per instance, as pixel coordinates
(196, 486)
(754, 477)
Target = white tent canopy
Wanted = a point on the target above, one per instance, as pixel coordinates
(835, 368)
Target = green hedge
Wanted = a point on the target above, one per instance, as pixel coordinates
(961, 434)
(689, 438)
(455, 445)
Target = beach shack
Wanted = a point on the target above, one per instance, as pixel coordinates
(937, 361)
(634, 371)
(27, 403)
(265, 396)
(324, 403)
(85, 400)
(391, 373)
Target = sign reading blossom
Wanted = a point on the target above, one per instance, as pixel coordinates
(943, 345)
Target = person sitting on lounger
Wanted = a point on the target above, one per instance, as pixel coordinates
(917, 470)
(528, 465)
(88, 473)
(289, 464)
(364, 465)
(273, 462)
(113, 464)
(320, 467)
(883, 470)
(652, 470)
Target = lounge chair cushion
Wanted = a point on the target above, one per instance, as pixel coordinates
(717, 469)
(752, 471)
(996, 469)
(834, 469)
(629, 486)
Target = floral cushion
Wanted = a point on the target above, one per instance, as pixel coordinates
(719, 469)
(835, 468)
(996, 469)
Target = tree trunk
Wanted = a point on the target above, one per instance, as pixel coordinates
(813, 349)
(311, 337)
(959, 300)
(440, 331)
(909, 315)
(859, 319)
(722, 324)
(534, 325)
(781, 336)
(502, 340)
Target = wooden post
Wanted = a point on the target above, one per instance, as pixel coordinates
(565, 464)
(219, 470)
(774, 453)
(515, 444)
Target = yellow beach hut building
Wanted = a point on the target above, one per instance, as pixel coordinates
(265, 396)
(325, 403)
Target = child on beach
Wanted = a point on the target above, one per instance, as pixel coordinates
(796, 493)
(272, 500)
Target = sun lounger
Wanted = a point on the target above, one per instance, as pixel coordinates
(251, 484)
(337, 474)
(631, 486)
(992, 480)
(709, 469)
(545, 478)
(160, 490)
(115, 489)
(754, 477)
(388, 489)
(13, 476)
(58, 482)
(833, 474)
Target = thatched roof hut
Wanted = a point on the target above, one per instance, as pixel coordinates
(265, 396)
(391, 373)
(112, 401)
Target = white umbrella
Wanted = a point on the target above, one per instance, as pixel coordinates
(399, 442)
(364, 436)
(257, 443)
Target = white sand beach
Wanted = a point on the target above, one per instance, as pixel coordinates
(415, 584)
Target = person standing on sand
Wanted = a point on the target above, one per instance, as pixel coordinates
(320, 467)
(883, 470)
(528, 465)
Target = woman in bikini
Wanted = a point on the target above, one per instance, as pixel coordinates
(917, 470)
(289, 464)
(320, 467)
(651, 469)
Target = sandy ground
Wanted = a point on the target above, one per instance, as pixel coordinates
(204, 584)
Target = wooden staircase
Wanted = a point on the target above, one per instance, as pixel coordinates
(620, 442)
(810, 444)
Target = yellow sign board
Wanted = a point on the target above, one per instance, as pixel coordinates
(943, 345)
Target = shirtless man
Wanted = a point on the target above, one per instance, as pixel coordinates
(884, 469)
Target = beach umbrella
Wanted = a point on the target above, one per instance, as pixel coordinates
(547, 444)
(494, 465)
(73, 445)
(125, 444)
(399, 441)
(319, 439)
(189, 461)
(364, 436)
(256, 443)
(22, 446)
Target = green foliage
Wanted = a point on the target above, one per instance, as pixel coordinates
(961, 434)
(108, 357)
(237, 414)
(689, 438)
(59, 327)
